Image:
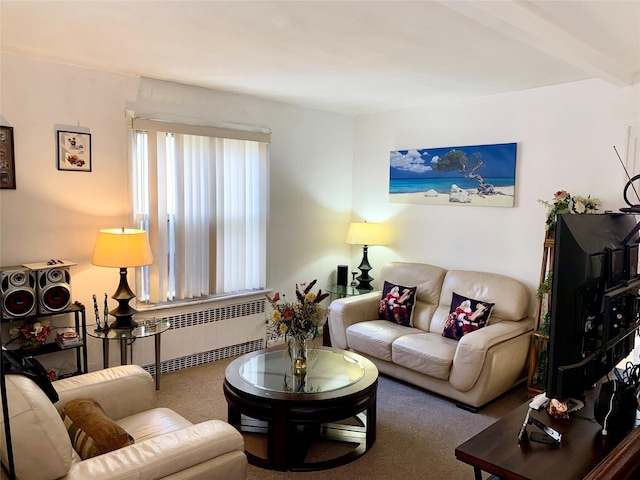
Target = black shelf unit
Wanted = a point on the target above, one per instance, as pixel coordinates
(80, 325)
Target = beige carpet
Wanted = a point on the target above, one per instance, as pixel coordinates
(417, 432)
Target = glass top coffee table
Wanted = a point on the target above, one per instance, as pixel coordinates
(332, 402)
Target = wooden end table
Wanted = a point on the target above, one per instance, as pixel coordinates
(496, 450)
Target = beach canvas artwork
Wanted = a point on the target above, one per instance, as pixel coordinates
(478, 175)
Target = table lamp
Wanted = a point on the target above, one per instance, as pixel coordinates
(366, 234)
(122, 248)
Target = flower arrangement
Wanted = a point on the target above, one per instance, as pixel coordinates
(564, 202)
(301, 319)
(35, 333)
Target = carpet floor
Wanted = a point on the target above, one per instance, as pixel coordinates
(417, 431)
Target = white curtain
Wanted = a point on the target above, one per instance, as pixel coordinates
(241, 213)
(203, 201)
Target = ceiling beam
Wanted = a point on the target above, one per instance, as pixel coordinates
(519, 21)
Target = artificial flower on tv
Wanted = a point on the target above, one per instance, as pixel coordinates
(564, 202)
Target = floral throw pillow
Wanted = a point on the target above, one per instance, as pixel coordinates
(465, 316)
(396, 304)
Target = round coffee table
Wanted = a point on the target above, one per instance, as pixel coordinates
(333, 401)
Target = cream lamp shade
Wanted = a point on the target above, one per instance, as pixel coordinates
(364, 233)
(122, 248)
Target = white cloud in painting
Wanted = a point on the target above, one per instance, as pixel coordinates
(411, 161)
(435, 159)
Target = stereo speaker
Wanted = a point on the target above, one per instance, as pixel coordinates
(18, 292)
(343, 275)
(54, 289)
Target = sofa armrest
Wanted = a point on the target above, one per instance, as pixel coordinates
(120, 391)
(472, 349)
(346, 311)
(163, 455)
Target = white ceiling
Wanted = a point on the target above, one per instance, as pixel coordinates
(353, 57)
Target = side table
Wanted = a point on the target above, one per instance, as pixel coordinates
(496, 449)
(339, 291)
(126, 337)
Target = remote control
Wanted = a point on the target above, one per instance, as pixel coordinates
(538, 401)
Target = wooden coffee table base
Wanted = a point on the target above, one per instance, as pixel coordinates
(350, 436)
(292, 424)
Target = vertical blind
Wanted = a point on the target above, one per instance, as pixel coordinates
(202, 199)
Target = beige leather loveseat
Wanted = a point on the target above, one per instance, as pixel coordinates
(472, 370)
(166, 444)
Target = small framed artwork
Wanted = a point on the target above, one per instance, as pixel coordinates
(74, 151)
(7, 159)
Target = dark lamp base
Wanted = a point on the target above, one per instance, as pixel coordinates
(124, 324)
(123, 312)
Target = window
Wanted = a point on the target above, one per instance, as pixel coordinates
(201, 194)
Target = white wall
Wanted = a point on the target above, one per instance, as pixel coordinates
(56, 214)
(565, 136)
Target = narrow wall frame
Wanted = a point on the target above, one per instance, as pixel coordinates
(7, 159)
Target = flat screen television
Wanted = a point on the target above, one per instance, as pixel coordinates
(594, 304)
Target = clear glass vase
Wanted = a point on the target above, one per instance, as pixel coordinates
(298, 353)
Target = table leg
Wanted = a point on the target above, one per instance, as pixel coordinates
(371, 425)
(326, 335)
(478, 473)
(157, 338)
(278, 439)
(233, 417)
(105, 353)
(123, 351)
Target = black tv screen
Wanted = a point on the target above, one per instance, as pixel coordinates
(594, 300)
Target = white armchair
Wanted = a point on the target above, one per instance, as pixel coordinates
(167, 446)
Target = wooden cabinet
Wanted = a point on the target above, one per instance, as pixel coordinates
(80, 323)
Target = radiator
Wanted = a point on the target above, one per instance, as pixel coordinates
(203, 333)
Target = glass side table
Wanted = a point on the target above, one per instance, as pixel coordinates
(341, 291)
(126, 338)
(338, 291)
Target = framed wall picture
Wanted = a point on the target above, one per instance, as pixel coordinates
(74, 151)
(480, 175)
(7, 159)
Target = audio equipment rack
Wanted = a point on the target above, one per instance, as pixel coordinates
(80, 325)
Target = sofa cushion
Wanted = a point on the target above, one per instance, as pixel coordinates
(375, 337)
(396, 304)
(91, 432)
(428, 280)
(427, 353)
(153, 423)
(512, 296)
(466, 315)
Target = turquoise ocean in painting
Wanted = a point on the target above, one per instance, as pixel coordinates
(442, 185)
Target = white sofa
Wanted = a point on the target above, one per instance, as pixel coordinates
(472, 371)
(166, 446)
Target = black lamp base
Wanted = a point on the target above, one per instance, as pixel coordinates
(123, 312)
(364, 280)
